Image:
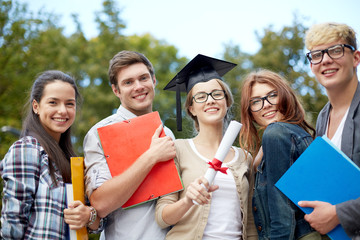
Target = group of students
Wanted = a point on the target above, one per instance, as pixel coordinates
(241, 204)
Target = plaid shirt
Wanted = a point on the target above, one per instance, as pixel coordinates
(32, 204)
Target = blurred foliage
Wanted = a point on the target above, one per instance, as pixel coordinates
(31, 43)
(283, 52)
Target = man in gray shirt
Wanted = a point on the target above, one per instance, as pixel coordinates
(133, 81)
(334, 58)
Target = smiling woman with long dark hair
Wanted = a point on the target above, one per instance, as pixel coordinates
(37, 166)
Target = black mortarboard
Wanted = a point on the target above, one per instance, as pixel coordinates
(200, 69)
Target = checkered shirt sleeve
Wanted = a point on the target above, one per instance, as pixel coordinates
(32, 204)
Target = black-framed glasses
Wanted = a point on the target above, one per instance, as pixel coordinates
(256, 104)
(334, 52)
(201, 97)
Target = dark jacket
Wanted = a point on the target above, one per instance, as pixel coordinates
(348, 212)
(276, 217)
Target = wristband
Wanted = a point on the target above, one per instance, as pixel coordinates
(93, 216)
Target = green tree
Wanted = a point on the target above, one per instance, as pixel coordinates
(166, 64)
(32, 43)
(283, 52)
(234, 54)
(12, 40)
(18, 30)
(99, 101)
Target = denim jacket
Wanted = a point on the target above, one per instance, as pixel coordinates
(276, 217)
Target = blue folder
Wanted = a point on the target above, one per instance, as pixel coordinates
(323, 173)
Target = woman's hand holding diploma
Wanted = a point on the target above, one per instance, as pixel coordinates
(229, 137)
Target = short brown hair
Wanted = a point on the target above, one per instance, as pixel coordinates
(125, 58)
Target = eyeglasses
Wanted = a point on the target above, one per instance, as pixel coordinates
(334, 52)
(256, 104)
(203, 96)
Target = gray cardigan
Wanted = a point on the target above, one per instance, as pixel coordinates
(348, 212)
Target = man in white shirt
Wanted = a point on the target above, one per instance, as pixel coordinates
(334, 59)
(133, 81)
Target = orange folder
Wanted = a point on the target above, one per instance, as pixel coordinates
(124, 142)
(77, 192)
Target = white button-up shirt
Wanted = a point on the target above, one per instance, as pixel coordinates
(134, 223)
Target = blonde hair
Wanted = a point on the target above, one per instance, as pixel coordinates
(229, 102)
(324, 33)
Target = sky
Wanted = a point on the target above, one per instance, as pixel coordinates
(204, 26)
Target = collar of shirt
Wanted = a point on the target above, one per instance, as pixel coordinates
(125, 113)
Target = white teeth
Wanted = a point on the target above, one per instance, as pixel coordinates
(329, 71)
(140, 96)
(211, 110)
(60, 119)
(269, 113)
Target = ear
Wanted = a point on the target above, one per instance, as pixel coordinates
(115, 90)
(35, 107)
(191, 110)
(356, 58)
(154, 80)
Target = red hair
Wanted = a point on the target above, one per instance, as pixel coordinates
(289, 106)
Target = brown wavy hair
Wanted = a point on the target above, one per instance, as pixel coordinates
(289, 106)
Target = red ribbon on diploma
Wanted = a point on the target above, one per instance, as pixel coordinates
(216, 165)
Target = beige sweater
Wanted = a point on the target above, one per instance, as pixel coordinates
(190, 167)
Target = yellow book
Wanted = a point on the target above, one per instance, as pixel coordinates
(75, 191)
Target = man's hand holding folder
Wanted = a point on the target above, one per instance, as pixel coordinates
(162, 148)
(139, 144)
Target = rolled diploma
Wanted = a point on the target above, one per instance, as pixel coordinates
(227, 141)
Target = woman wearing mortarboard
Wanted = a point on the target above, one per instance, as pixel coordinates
(224, 210)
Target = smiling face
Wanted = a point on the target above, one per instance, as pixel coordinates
(336, 73)
(57, 108)
(211, 111)
(269, 113)
(136, 88)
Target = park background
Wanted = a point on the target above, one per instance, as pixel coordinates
(80, 37)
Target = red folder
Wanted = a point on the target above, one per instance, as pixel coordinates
(124, 142)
